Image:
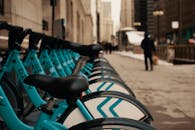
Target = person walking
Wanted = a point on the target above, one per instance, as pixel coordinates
(148, 47)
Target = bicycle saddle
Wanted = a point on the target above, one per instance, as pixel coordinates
(91, 50)
(63, 88)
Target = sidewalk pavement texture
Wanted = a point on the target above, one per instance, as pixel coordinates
(168, 91)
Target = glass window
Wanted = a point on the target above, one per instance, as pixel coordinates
(44, 25)
(1, 7)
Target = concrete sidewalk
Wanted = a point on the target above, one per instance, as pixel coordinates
(168, 91)
(140, 57)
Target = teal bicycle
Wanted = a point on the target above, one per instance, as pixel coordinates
(60, 111)
(59, 56)
(13, 122)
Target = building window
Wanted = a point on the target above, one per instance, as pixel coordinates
(1, 7)
(44, 25)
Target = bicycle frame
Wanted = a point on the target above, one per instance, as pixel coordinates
(47, 63)
(68, 55)
(32, 60)
(47, 119)
(80, 105)
(14, 61)
(47, 59)
(6, 112)
(56, 62)
(11, 119)
(62, 60)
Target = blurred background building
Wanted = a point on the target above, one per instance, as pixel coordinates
(24, 13)
(126, 23)
(106, 23)
(70, 19)
(127, 13)
(179, 12)
(170, 22)
(140, 15)
(27, 14)
(151, 22)
(79, 24)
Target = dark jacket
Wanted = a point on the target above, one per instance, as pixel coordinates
(148, 46)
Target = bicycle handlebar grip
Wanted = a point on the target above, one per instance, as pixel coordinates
(23, 35)
(53, 42)
(34, 39)
(48, 42)
(14, 34)
(45, 43)
(3, 25)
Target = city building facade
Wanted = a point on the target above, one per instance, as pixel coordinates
(127, 13)
(76, 18)
(72, 19)
(181, 12)
(19, 12)
(151, 21)
(106, 22)
(144, 19)
(23, 13)
(140, 15)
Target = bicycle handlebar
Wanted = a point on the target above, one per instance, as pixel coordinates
(4, 25)
(23, 35)
(14, 34)
(34, 39)
(91, 51)
(45, 42)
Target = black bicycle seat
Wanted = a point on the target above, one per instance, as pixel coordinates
(63, 88)
(91, 50)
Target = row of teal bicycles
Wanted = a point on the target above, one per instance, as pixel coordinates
(54, 84)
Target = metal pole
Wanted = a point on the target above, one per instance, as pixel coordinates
(180, 20)
(53, 4)
(98, 27)
(53, 18)
(158, 29)
(97, 22)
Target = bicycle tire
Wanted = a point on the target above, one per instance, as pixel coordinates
(129, 107)
(104, 74)
(112, 123)
(13, 95)
(103, 68)
(109, 71)
(120, 86)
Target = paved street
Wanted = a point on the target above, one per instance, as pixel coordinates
(168, 91)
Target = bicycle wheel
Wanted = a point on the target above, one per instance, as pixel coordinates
(13, 95)
(112, 124)
(104, 105)
(107, 84)
(103, 75)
